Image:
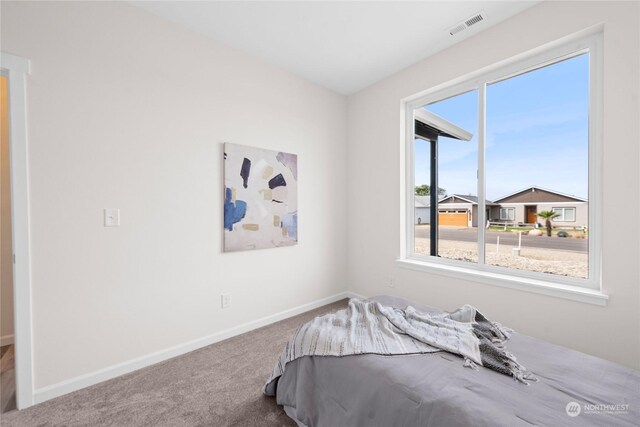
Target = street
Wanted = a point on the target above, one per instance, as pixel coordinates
(507, 238)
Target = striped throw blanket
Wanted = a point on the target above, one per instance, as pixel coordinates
(367, 327)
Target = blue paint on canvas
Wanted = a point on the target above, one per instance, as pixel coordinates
(290, 223)
(233, 212)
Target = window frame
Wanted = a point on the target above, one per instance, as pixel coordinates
(512, 210)
(563, 216)
(585, 290)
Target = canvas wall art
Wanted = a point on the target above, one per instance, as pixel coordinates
(260, 198)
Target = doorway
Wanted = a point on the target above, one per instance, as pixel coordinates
(531, 216)
(7, 349)
(14, 71)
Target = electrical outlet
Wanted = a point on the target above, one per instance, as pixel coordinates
(392, 282)
(225, 300)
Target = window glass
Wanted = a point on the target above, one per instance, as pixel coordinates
(569, 214)
(457, 163)
(565, 214)
(537, 145)
(507, 213)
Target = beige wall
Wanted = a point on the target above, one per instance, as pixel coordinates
(612, 332)
(6, 248)
(129, 111)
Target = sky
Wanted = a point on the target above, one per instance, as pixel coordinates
(537, 134)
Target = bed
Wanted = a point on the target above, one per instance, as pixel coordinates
(574, 389)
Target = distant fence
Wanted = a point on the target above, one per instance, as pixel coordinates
(506, 224)
(514, 224)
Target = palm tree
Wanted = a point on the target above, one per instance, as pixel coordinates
(548, 216)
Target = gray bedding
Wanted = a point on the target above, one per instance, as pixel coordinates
(436, 390)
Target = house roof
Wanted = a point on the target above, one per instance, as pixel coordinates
(422, 201)
(428, 123)
(524, 196)
(469, 199)
(540, 195)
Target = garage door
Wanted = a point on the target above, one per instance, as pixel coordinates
(456, 218)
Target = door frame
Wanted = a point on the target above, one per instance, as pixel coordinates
(527, 210)
(17, 69)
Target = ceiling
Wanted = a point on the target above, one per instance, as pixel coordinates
(343, 46)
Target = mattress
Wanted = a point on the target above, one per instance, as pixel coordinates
(575, 389)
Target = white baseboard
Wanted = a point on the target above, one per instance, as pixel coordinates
(49, 392)
(355, 295)
(6, 340)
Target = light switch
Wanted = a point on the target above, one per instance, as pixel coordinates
(111, 217)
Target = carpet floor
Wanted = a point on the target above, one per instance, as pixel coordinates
(7, 379)
(218, 385)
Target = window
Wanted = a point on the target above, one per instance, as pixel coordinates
(565, 214)
(456, 169)
(508, 214)
(522, 134)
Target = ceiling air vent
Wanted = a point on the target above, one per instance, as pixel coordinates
(466, 23)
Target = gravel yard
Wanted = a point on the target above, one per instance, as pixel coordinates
(565, 263)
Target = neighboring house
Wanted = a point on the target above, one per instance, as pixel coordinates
(422, 211)
(459, 210)
(523, 207)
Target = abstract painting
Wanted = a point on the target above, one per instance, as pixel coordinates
(260, 198)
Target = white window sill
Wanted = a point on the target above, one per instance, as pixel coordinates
(574, 293)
